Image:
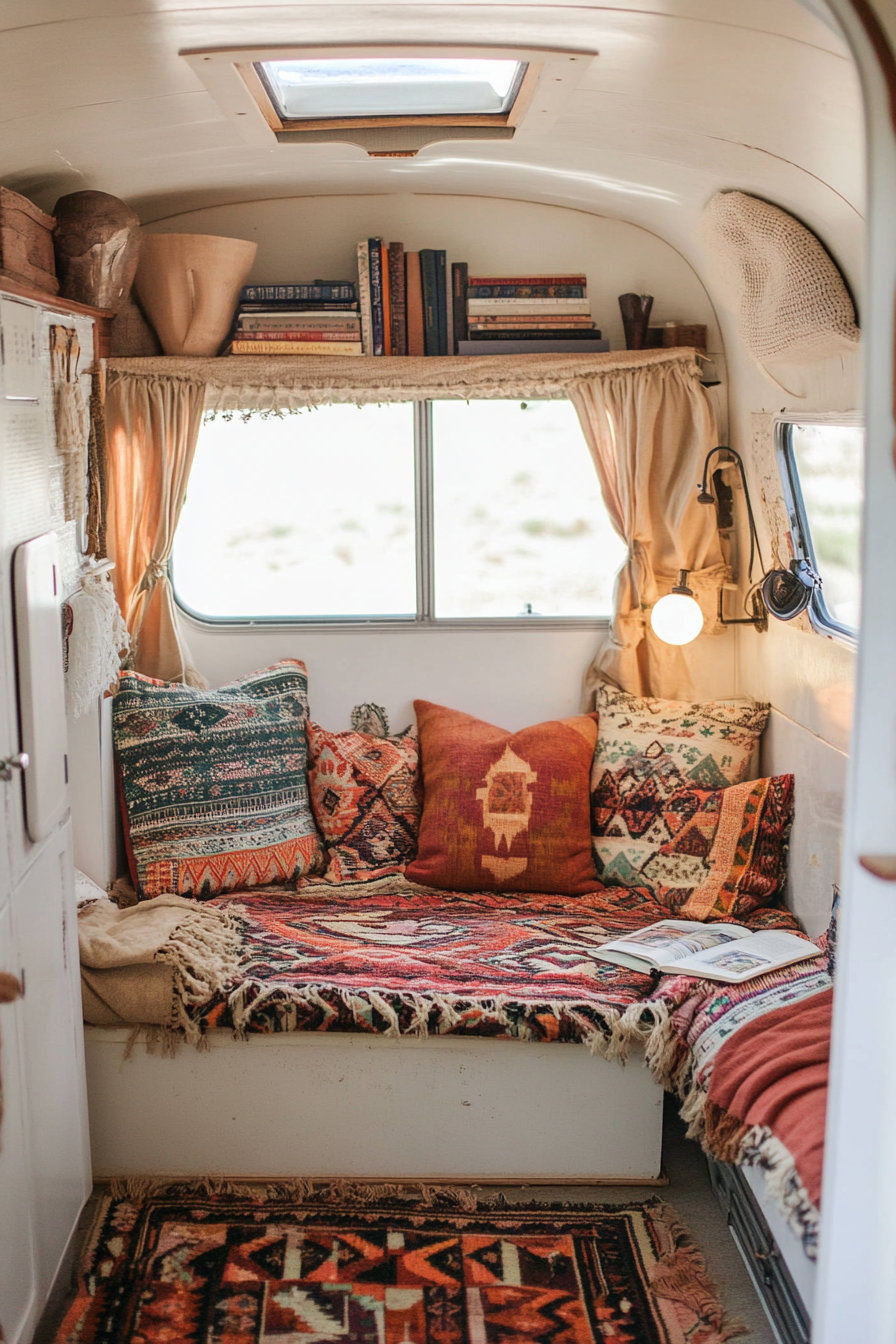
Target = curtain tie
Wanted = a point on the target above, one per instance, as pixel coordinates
(155, 570)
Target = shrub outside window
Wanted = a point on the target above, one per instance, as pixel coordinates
(409, 512)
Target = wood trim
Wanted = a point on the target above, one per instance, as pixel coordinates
(524, 93)
(55, 301)
(259, 94)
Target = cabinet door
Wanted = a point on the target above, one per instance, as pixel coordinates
(18, 1297)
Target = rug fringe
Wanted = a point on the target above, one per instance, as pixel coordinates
(760, 1148)
(681, 1275)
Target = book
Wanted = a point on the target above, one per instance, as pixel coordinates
(387, 300)
(486, 320)
(240, 347)
(442, 296)
(296, 306)
(523, 291)
(545, 328)
(459, 302)
(364, 297)
(375, 259)
(512, 346)
(302, 322)
(326, 291)
(726, 952)
(397, 294)
(528, 280)
(528, 306)
(524, 334)
(269, 336)
(430, 301)
(413, 303)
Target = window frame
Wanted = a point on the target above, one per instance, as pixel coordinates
(424, 618)
(820, 618)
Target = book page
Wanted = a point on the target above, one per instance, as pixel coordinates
(675, 939)
(765, 951)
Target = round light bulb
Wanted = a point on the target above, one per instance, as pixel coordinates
(676, 619)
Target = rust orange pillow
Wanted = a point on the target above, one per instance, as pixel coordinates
(504, 811)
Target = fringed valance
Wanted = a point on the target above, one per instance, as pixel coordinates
(289, 382)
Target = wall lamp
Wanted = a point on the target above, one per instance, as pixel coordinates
(677, 618)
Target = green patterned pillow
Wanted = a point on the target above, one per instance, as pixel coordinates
(648, 750)
(215, 783)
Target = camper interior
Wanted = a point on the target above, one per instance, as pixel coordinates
(292, 515)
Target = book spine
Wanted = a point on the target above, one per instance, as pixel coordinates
(528, 306)
(297, 306)
(326, 291)
(399, 299)
(459, 301)
(528, 280)
(430, 301)
(375, 254)
(515, 334)
(442, 295)
(387, 299)
(293, 324)
(364, 297)
(413, 303)
(549, 347)
(295, 348)
(530, 320)
(269, 336)
(527, 291)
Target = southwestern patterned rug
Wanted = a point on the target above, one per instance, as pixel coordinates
(301, 1265)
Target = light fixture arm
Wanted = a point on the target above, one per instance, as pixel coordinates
(706, 497)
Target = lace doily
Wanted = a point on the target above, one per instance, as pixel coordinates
(98, 639)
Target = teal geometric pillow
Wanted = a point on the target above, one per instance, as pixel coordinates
(649, 750)
(215, 783)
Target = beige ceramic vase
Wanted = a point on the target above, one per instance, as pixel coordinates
(188, 285)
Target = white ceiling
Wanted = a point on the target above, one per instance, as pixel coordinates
(685, 97)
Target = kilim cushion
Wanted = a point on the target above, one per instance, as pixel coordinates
(214, 782)
(647, 751)
(366, 802)
(504, 811)
(717, 853)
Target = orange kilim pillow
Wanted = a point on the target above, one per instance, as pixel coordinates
(504, 811)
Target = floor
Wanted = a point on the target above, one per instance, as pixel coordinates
(689, 1190)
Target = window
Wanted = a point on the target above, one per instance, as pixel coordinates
(823, 474)
(404, 513)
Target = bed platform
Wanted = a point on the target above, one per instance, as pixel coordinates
(350, 1105)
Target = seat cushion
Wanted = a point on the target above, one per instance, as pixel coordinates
(366, 801)
(649, 751)
(504, 811)
(214, 782)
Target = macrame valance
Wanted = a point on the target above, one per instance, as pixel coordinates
(248, 383)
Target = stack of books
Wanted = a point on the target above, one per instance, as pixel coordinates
(317, 318)
(403, 300)
(529, 314)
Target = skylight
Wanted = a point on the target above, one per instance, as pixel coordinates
(308, 90)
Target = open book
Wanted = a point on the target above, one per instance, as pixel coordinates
(726, 952)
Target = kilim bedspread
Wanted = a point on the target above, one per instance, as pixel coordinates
(391, 958)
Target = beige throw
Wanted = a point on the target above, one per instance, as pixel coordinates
(151, 962)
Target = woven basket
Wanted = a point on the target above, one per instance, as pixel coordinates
(188, 285)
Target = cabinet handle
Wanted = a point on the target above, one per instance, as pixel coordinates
(9, 763)
(881, 865)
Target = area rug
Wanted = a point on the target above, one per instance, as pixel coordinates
(295, 1264)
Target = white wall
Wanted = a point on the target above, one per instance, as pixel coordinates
(514, 677)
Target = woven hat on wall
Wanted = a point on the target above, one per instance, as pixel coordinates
(775, 274)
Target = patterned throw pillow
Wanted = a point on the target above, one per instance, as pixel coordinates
(647, 751)
(721, 853)
(214, 783)
(366, 801)
(504, 811)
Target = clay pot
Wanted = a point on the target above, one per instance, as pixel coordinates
(188, 285)
(635, 309)
(97, 246)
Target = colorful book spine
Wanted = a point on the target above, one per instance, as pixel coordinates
(560, 334)
(295, 348)
(528, 320)
(274, 336)
(297, 306)
(399, 299)
(442, 296)
(527, 291)
(387, 299)
(375, 258)
(528, 280)
(414, 303)
(364, 297)
(459, 302)
(296, 321)
(319, 291)
(528, 306)
(430, 301)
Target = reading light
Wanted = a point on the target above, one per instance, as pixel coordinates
(783, 592)
(677, 618)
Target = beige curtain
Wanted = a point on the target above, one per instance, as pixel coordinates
(152, 425)
(649, 430)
